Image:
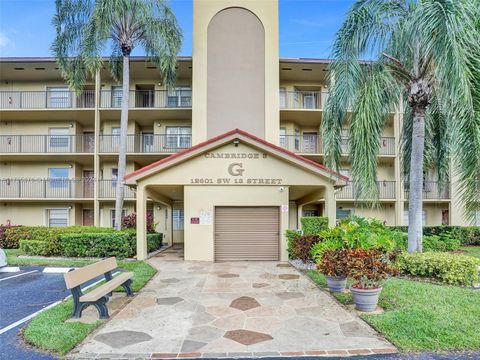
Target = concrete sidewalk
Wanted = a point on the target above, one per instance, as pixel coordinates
(194, 309)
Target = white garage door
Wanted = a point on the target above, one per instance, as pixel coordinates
(247, 233)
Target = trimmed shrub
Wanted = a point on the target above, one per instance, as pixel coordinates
(291, 236)
(118, 244)
(468, 235)
(302, 246)
(33, 247)
(154, 241)
(313, 225)
(51, 235)
(448, 268)
(434, 243)
(4, 243)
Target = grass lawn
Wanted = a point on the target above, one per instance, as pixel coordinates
(49, 331)
(471, 250)
(422, 316)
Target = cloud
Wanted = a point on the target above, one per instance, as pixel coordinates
(4, 40)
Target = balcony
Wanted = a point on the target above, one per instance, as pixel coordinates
(386, 191)
(146, 143)
(50, 144)
(301, 100)
(107, 189)
(432, 190)
(157, 99)
(49, 99)
(46, 188)
(311, 144)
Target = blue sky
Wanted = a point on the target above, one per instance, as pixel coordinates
(307, 27)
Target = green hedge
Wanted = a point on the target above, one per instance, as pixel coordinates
(118, 244)
(313, 225)
(51, 235)
(433, 243)
(291, 236)
(448, 268)
(34, 247)
(154, 242)
(468, 235)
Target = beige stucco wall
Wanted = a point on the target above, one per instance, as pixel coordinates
(199, 239)
(33, 213)
(267, 13)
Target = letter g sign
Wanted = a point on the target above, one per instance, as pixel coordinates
(236, 169)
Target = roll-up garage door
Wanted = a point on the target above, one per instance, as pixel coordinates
(247, 233)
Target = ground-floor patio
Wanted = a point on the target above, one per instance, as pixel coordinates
(192, 309)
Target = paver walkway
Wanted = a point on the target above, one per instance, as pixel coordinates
(192, 309)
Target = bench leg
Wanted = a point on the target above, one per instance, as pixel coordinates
(78, 309)
(101, 305)
(127, 286)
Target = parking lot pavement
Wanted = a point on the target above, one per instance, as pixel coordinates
(22, 294)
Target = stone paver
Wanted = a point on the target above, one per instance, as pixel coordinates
(191, 308)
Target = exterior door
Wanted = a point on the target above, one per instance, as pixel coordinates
(147, 142)
(88, 183)
(88, 142)
(310, 142)
(247, 233)
(88, 217)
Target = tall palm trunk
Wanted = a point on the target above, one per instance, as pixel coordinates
(415, 200)
(122, 153)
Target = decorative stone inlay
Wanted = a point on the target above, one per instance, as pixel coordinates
(227, 276)
(169, 300)
(122, 338)
(191, 345)
(288, 276)
(267, 276)
(247, 337)
(170, 280)
(283, 265)
(204, 333)
(287, 295)
(259, 285)
(244, 303)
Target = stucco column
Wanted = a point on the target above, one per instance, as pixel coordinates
(96, 156)
(299, 216)
(141, 224)
(331, 206)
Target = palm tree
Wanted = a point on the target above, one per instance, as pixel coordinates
(427, 61)
(84, 28)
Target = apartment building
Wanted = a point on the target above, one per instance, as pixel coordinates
(234, 146)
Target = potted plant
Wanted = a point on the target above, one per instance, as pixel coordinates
(334, 266)
(368, 269)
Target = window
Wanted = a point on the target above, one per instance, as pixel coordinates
(283, 98)
(114, 177)
(178, 217)
(180, 97)
(297, 139)
(309, 100)
(405, 217)
(112, 216)
(283, 138)
(310, 213)
(116, 96)
(58, 97)
(179, 137)
(343, 213)
(59, 138)
(115, 138)
(58, 177)
(57, 217)
(147, 142)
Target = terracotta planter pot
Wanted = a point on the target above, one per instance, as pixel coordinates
(365, 299)
(336, 283)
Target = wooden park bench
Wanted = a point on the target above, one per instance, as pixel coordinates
(99, 296)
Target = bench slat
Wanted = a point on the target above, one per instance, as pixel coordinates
(106, 288)
(79, 276)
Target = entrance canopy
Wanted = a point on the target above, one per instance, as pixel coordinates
(235, 169)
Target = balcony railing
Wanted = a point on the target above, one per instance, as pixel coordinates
(386, 191)
(432, 190)
(305, 144)
(47, 144)
(311, 144)
(46, 188)
(107, 189)
(49, 99)
(146, 143)
(301, 99)
(163, 99)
